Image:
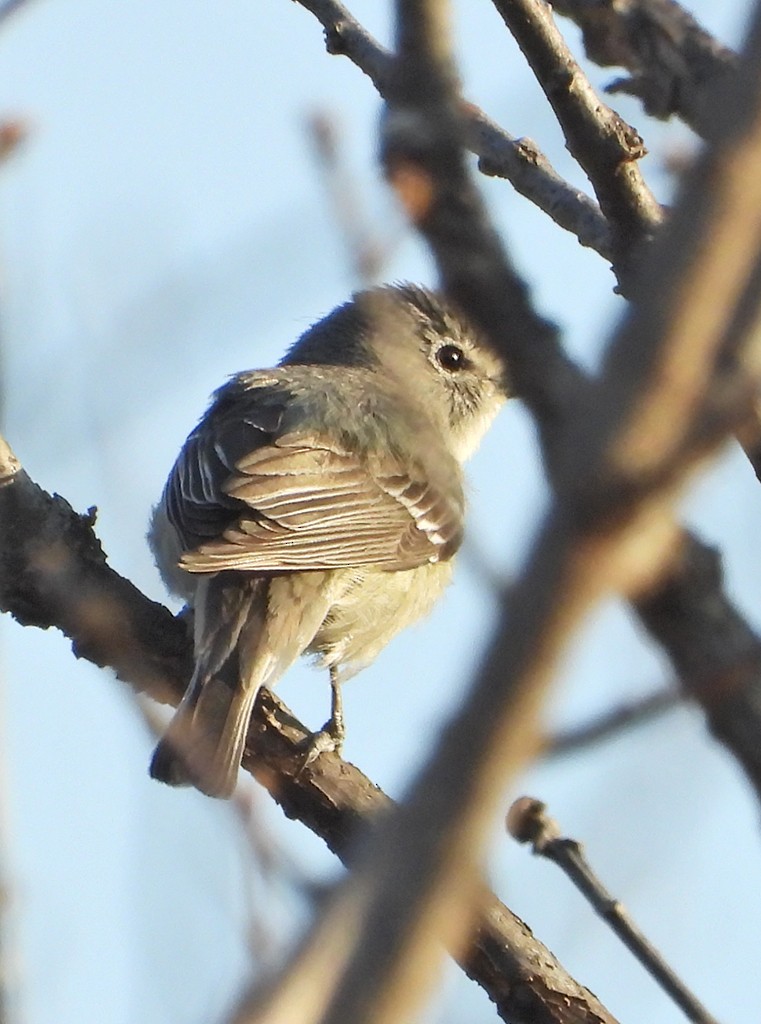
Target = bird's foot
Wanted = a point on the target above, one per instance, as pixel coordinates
(331, 736)
(323, 742)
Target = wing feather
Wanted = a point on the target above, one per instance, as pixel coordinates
(298, 500)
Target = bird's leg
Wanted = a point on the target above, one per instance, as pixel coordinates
(331, 736)
(336, 726)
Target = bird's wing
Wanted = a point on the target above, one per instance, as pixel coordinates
(301, 500)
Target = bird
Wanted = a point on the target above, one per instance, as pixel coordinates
(316, 509)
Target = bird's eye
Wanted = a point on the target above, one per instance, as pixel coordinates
(451, 358)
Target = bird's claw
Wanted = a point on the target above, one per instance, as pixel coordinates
(325, 741)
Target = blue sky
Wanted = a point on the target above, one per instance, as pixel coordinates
(164, 225)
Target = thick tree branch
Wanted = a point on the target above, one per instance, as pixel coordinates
(717, 655)
(677, 67)
(54, 574)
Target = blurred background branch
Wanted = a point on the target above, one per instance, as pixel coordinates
(610, 724)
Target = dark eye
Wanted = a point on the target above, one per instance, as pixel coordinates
(451, 358)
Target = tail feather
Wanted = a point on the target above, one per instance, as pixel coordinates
(204, 742)
(248, 630)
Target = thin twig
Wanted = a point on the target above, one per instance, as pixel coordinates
(528, 822)
(367, 255)
(611, 724)
(524, 165)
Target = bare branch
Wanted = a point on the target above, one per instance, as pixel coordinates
(529, 822)
(522, 163)
(677, 67)
(366, 253)
(605, 146)
(717, 654)
(53, 573)
(611, 723)
(500, 154)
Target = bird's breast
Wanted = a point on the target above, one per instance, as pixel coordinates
(370, 607)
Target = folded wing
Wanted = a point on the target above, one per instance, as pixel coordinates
(263, 501)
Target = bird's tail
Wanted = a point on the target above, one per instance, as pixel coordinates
(248, 630)
(204, 741)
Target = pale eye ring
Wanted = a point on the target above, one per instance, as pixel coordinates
(451, 358)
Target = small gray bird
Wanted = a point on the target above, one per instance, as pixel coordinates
(315, 509)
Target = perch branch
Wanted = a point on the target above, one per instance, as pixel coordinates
(54, 574)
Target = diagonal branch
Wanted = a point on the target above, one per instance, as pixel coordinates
(53, 573)
(612, 723)
(604, 145)
(529, 822)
